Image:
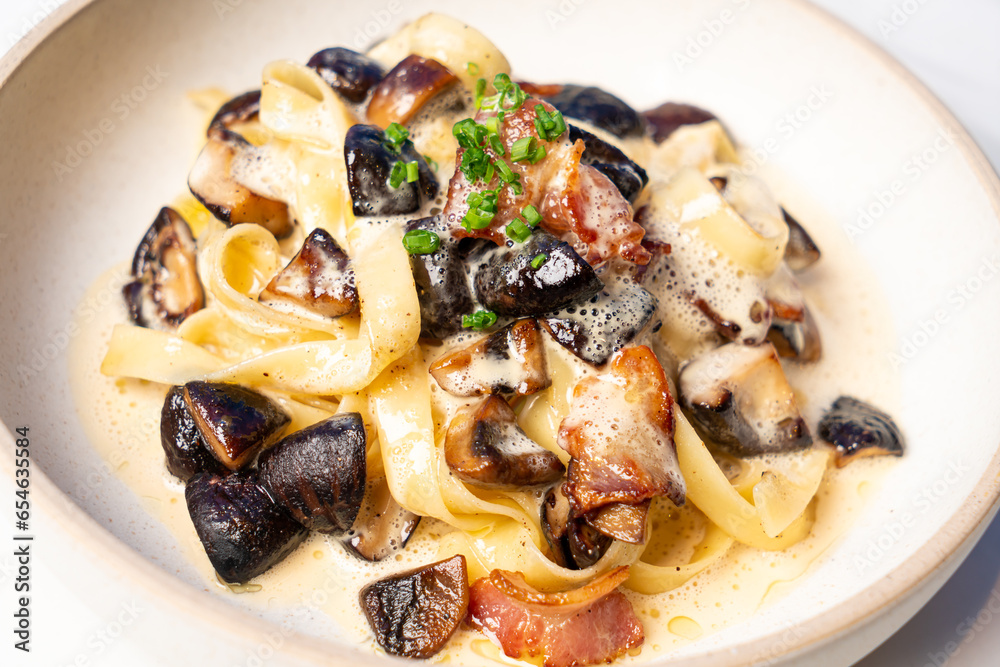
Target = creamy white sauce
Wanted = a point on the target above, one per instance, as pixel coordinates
(321, 576)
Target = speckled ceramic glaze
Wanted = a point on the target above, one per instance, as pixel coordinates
(97, 134)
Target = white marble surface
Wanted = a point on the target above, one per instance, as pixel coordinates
(952, 46)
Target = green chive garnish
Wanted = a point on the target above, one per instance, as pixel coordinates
(522, 149)
(472, 68)
(518, 231)
(537, 154)
(479, 320)
(531, 215)
(538, 260)
(496, 145)
(412, 171)
(421, 242)
(396, 135)
(397, 175)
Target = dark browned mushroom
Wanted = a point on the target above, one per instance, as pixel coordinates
(243, 531)
(319, 279)
(187, 452)
(510, 360)
(243, 108)
(595, 106)
(669, 116)
(407, 87)
(486, 447)
(165, 288)
(574, 543)
(352, 75)
(413, 614)
(627, 176)
(318, 473)
(801, 252)
(235, 422)
(383, 526)
(794, 332)
(370, 161)
(858, 429)
(621, 521)
(740, 399)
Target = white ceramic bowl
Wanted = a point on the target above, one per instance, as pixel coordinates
(97, 134)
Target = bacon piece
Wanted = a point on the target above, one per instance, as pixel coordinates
(584, 626)
(577, 202)
(620, 433)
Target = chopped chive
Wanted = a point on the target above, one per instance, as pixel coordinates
(505, 173)
(531, 215)
(480, 91)
(496, 145)
(537, 154)
(479, 320)
(516, 187)
(421, 242)
(397, 175)
(477, 218)
(412, 171)
(488, 176)
(473, 69)
(518, 231)
(492, 125)
(538, 260)
(522, 149)
(396, 135)
(560, 126)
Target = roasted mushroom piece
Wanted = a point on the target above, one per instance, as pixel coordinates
(858, 429)
(621, 521)
(597, 107)
(440, 277)
(574, 543)
(485, 447)
(235, 422)
(507, 283)
(794, 332)
(351, 75)
(510, 360)
(215, 178)
(383, 526)
(413, 614)
(801, 252)
(187, 452)
(319, 279)
(406, 88)
(318, 473)
(243, 531)
(165, 288)
(669, 116)
(596, 329)
(627, 176)
(740, 399)
(370, 161)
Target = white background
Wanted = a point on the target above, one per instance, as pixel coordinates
(88, 617)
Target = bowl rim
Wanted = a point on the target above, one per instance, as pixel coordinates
(121, 561)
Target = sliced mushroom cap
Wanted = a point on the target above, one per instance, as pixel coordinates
(213, 182)
(318, 473)
(594, 330)
(441, 280)
(382, 527)
(740, 399)
(597, 107)
(858, 429)
(187, 453)
(621, 521)
(243, 531)
(486, 447)
(235, 422)
(627, 176)
(510, 360)
(241, 109)
(406, 88)
(801, 251)
(667, 117)
(351, 75)
(319, 279)
(165, 288)
(507, 283)
(413, 614)
(794, 332)
(574, 543)
(369, 165)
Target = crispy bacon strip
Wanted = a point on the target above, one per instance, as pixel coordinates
(620, 433)
(584, 626)
(577, 202)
